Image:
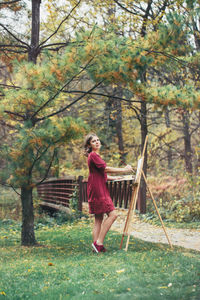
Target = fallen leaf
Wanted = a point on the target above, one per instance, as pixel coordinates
(120, 271)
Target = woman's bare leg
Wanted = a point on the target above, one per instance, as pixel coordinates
(97, 226)
(112, 216)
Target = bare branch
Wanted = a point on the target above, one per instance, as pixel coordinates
(181, 61)
(59, 45)
(15, 190)
(161, 10)
(126, 9)
(10, 86)
(194, 129)
(138, 116)
(72, 103)
(101, 94)
(55, 49)
(60, 90)
(9, 2)
(61, 23)
(145, 18)
(12, 46)
(9, 186)
(14, 114)
(161, 74)
(14, 36)
(38, 158)
(12, 51)
(169, 144)
(47, 171)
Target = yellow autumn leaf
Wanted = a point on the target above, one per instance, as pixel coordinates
(120, 271)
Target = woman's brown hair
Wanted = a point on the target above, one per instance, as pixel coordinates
(87, 146)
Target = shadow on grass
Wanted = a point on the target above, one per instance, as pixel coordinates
(77, 241)
(64, 267)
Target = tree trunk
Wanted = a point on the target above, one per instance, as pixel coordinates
(143, 121)
(196, 34)
(119, 131)
(187, 142)
(142, 197)
(27, 233)
(108, 108)
(35, 32)
(169, 150)
(118, 108)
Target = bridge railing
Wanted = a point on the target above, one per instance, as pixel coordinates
(58, 191)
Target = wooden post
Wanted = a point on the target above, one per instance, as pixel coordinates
(80, 188)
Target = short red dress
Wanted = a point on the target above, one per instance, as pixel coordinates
(98, 195)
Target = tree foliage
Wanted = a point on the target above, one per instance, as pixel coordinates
(139, 62)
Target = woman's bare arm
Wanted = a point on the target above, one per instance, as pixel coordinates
(125, 170)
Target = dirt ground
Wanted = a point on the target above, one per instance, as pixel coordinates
(187, 238)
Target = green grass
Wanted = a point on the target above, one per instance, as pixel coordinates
(65, 267)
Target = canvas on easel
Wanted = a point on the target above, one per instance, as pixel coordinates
(134, 197)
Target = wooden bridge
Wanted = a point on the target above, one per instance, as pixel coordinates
(57, 192)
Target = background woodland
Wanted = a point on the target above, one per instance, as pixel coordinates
(122, 69)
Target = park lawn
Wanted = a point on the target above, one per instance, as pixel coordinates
(64, 267)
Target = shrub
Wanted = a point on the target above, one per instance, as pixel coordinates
(178, 199)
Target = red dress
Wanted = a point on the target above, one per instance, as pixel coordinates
(98, 195)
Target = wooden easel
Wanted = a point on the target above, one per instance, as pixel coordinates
(134, 197)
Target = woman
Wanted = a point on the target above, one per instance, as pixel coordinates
(99, 199)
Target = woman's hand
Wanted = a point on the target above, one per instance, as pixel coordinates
(125, 170)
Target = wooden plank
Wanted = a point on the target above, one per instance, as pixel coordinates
(57, 184)
(56, 207)
(57, 197)
(58, 188)
(120, 193)
(54, 193)
(70, 177)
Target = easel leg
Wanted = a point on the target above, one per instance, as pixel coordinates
(126, 226)
(134, 196)
(128, 219)
(154, 202)
(121, 241)
(127, 242)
